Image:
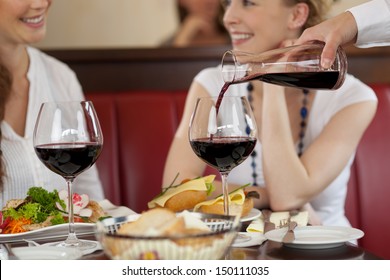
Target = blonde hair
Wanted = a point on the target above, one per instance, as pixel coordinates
(5, 91)
(319, 9)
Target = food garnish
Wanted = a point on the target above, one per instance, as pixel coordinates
(80, 203)
(42, 208)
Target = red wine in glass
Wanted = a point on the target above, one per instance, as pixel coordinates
(68, 159)
(223, 134)
(68, 140)
(223, 153)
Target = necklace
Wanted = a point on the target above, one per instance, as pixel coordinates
(303, 113)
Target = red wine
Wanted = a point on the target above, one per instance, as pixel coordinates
(317, 80)
(68, 159)
(223, 153)
(220, 96)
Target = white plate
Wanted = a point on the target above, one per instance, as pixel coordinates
(316, 237)
(46, 253)
(58, 231)
(248, 239)
(253, 214)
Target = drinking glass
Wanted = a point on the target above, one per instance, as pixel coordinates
(294, 66)
(223, 134)
(68, 140)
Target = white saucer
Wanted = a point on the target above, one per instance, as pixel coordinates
(316, 237)
(253, 214)
(248, 239)
(46, 253)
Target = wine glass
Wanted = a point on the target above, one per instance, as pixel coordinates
(68, 140)
(223, 134)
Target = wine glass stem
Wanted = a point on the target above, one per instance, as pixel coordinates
(71, 234)
(225, 192)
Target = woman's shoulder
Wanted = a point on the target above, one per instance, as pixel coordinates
(212, 80)
(353, 90)
(41, 59)
(210, 73)
(52, 75)
(351, 82)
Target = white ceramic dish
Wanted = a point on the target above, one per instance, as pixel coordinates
(253, 214)
(317, 237)
(62, 230)
(248, 239)
(46, 253)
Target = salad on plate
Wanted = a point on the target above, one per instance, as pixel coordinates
(42, 208)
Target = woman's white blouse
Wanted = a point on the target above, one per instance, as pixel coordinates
(50, 80)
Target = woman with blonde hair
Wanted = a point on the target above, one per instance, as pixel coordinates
(306, 139)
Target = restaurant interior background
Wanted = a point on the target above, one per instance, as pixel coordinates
(113, 46)
(119, 23)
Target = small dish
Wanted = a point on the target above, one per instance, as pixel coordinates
(46, 253)
(248, 239)
(316, 237)
(253, 214)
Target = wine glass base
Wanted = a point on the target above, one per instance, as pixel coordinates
(82, 245)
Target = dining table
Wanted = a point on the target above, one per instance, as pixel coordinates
(268, 250)
(274, 250)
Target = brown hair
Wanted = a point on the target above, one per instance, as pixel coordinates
(318, 10)
(183, 13)
(5, 91)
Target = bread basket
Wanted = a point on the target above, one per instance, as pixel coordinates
(209, 245)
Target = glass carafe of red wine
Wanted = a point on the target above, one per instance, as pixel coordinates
(294, 66)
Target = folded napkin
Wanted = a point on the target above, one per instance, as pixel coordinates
(257, 225)
(114, 210)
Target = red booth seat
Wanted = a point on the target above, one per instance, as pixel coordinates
(368, 201)
(138, 128)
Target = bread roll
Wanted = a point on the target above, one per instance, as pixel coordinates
(196, 241)
(185, 200)
(153, 219)
(184, 196)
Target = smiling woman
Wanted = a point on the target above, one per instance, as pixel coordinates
(31, 78)
(294, 136)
